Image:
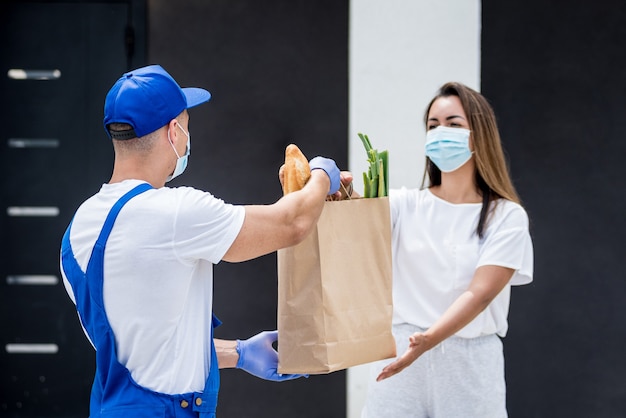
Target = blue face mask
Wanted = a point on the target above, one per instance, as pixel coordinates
(181, 162)
(448, 148)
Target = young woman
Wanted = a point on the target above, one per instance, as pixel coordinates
(458, 245)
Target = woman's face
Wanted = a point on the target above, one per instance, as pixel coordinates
(448, 111)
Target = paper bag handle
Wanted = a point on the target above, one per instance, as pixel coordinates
(348, 193)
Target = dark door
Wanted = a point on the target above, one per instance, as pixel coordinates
(57, 62)
(556, 78)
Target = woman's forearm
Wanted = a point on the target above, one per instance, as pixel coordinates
(487, 283)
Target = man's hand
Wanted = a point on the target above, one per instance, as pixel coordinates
(258, 357)
(346, 190)
(329, 166)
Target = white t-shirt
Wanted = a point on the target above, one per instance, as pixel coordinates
(158, 277)
(436, 251)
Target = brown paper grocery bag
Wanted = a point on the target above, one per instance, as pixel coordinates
(334, 291)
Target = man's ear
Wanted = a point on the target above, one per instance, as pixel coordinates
(172, 133)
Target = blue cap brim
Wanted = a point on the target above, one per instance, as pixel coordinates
(196, 96)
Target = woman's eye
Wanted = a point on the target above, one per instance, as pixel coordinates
(431, 127)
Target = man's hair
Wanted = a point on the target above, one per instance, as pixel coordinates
(143, 144)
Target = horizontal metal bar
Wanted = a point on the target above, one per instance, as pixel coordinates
(33, 211)
(33, 279)
(33, 143)
(22, 74)
(16, 348)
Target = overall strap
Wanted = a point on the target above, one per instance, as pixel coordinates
(96, 261)
(115, 210)
(205, 403)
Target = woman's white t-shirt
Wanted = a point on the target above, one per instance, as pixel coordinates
(436, 251)
(158, 277)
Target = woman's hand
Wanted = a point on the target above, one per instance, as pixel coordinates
(417, 346)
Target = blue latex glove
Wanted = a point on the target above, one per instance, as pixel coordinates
(329, 166)
(258, 357)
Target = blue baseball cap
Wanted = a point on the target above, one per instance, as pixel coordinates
(147, 99)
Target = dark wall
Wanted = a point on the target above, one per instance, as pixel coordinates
(278, 72)
(554, 74)
(63, 157)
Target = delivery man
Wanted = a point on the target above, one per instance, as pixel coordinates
(137, 259)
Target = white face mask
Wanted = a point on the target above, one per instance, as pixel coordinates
(448, 148)
(181, 162)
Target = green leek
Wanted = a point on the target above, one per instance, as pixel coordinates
(376, 179)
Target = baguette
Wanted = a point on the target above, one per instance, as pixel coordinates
(297, 171)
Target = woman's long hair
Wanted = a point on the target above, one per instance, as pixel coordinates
(492, 174)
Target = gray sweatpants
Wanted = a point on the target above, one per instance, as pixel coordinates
(459, 378)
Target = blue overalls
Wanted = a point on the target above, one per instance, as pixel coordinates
(114, 392)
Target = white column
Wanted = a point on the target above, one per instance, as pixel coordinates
(401, 51)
